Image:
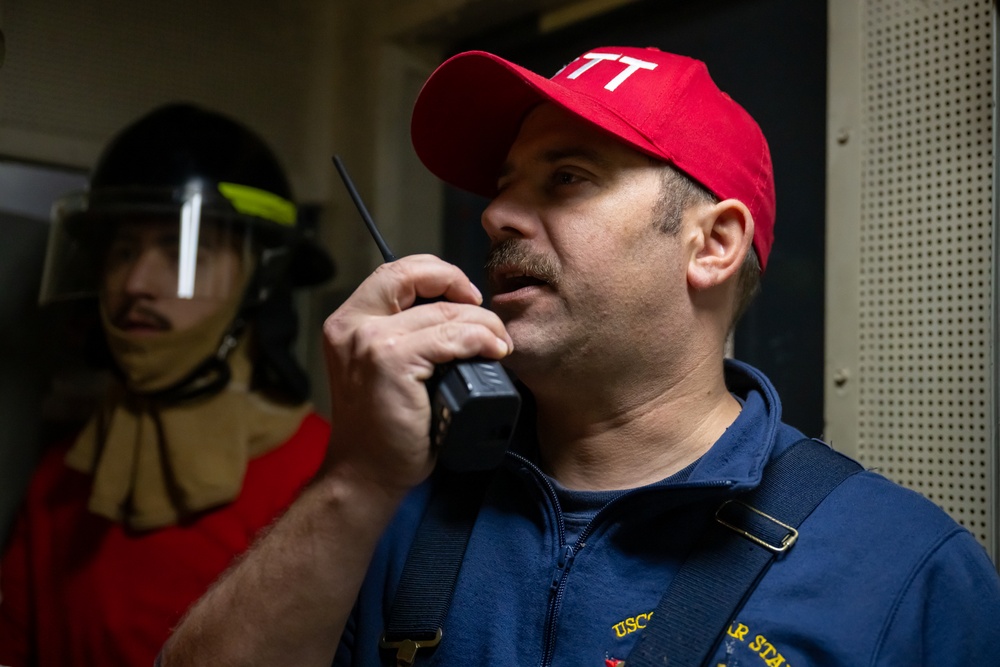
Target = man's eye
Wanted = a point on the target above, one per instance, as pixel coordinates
(121, 253)
(565, 178)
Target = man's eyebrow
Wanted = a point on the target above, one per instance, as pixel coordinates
(556, 154)
(577, 152)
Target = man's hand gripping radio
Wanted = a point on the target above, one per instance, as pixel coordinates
(474, 404)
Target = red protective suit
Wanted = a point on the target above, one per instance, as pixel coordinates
(80, 590)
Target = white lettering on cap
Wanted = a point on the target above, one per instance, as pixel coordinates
(633, 66)
(592, 59)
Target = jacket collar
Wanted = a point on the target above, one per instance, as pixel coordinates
(737, 459)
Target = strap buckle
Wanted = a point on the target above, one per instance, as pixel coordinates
(785, 543)
(406, 649)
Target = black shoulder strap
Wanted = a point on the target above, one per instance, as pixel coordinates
(428, 579)
(748, 534)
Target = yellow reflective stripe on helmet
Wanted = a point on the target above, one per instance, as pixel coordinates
(261, 203)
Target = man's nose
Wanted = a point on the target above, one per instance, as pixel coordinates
(510, 216)
(151, 274)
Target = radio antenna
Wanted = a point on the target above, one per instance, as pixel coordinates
(369, 223)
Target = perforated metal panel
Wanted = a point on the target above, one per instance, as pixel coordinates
(926, 280)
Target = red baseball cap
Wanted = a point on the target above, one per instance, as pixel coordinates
(470, 110)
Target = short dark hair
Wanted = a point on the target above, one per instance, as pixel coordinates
(679, 193)
(747, 286)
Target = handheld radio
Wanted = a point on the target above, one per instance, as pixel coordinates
(474, 404)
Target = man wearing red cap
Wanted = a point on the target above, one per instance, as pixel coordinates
(632, 212)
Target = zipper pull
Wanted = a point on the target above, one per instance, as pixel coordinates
(562, 566)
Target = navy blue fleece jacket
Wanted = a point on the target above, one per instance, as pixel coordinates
(879, 575)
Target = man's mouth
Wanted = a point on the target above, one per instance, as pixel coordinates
(513, 279)
(512, 267)
(141, 319)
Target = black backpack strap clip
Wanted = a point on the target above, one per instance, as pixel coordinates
(758, 527)
(406, 649)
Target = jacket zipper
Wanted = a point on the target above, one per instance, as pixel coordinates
(569, 552)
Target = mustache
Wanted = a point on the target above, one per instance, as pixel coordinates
(132, 310)
(514, 254)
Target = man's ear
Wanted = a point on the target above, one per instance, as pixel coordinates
(722, 236)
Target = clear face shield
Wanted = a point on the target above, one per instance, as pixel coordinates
(157, 258)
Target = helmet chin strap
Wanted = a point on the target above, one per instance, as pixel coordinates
(210, 376)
